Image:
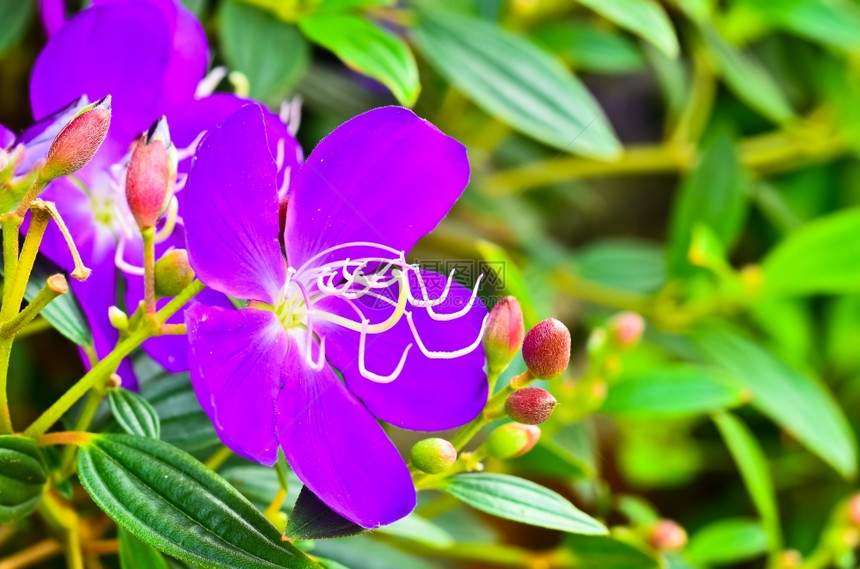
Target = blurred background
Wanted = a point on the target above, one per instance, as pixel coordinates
(691, 161)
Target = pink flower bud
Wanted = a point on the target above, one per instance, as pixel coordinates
(433, 455)
(854, 510)
(512, 440)
(667, 535)
(546, 349)
(78, 142)
(531, 405)
(151, 175)
(503, 337)
(627, 328)
(173, 273)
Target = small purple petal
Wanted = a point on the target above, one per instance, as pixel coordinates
(429, 394)
(118, 49)
(385, 176)
(231, 211)
(336, 447)
(236, 358)
(7, 138)
(53, 15)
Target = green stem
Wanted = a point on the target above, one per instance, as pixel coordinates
(38, 223)
(150, 326)
(49, 292)
(34, 327)
(10, 224)
(149, 268)
(91, 406)
(598, 294)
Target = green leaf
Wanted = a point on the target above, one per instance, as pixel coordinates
(624, 264)
(134, 554)
(834, 23)
(675, 391)
(183, 422)
(797, 402)
(823, 256)
(644, 18)
(22, 477)
(367, 49)
(421, 530)
(727, 541)
(755, 471)
(134, 413)
(598, 552)
(260, 483)
(591, 49)
(169, 500)
(272, 54)
(514, 80)
(714, 194)
(508, 275)
(520, 500)
(16, 17)
(748, 79)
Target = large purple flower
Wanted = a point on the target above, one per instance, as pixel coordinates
(150, 55)
(404, 340)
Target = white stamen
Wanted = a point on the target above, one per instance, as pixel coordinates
(445, 355)
(169, 221)
(121, 263)
(461, 312)
(208, 84)
(362, 368)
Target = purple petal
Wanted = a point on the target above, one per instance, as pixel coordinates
(429, 394)
(336, 447)
(38, 137)
(385, 176)
(7, 137)
(53, 15)
(231, 211)
(236, 358)
(119, 49)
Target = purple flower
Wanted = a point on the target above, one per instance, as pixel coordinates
(150, 55)
(404, 340)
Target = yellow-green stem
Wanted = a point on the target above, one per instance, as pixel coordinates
(10, 328)
(38, 223)
(149, 268)
(10, 224)
(91, 406)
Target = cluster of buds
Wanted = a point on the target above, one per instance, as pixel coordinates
(511, 440)
(151, 177)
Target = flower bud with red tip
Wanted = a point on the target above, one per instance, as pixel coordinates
(546, 349)
(854, 510)
(151, 175)
(503, 337)
(512, 440)
(667, 535)
(531, 405)
(627, 329)
(78, 141)
(433, 455)
(173, 273)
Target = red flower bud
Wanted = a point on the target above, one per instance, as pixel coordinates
(531, 405)
(78, 142)
(151, 175)
(546, 349)
(512, 440)
(503, 337)
(667, 534)
(173, 273)
(854, 510)
(627, 328)
(433, 455)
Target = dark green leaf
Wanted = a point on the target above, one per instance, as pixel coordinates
(520, 500)
(511, 78)
(134, 413)
(169, 500)
(272, 54)
(367, 49)
(183, 422)
(15, 16)
(727, 541)
(823, 256)
(22, 477)
(681, 390)
(312, 519)
(134, 554)
(797, 402)
(754, 469)
(714, 195)
(645, 18)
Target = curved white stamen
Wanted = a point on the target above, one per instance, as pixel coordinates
(309, 357)
(462, 311)
(121, 263)
(426, 300)
(384, 326)
(362, 368)
(400, 254)
(279, 155)
(188, 151)
(169, 221)
(208, 84)
(445, 355)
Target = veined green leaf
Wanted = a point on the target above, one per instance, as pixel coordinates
(22, 477)
(134, 413)
(514, 80)
(520, 500)
(645, 18)
(727, 541)
(367, 49)
(169, 500)
(183, 422)
(134, 554)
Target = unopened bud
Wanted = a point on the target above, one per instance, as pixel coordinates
(531, 405)
(118, 319)
(58, 284)
(789, 559)
(503, 337)
(151, 175)
(854, 510)
(512, 440)
(114, 381)
(433, 455)
(173, 273)
(627, 328)
(667, 535)
(546, 349)
(78, 141)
